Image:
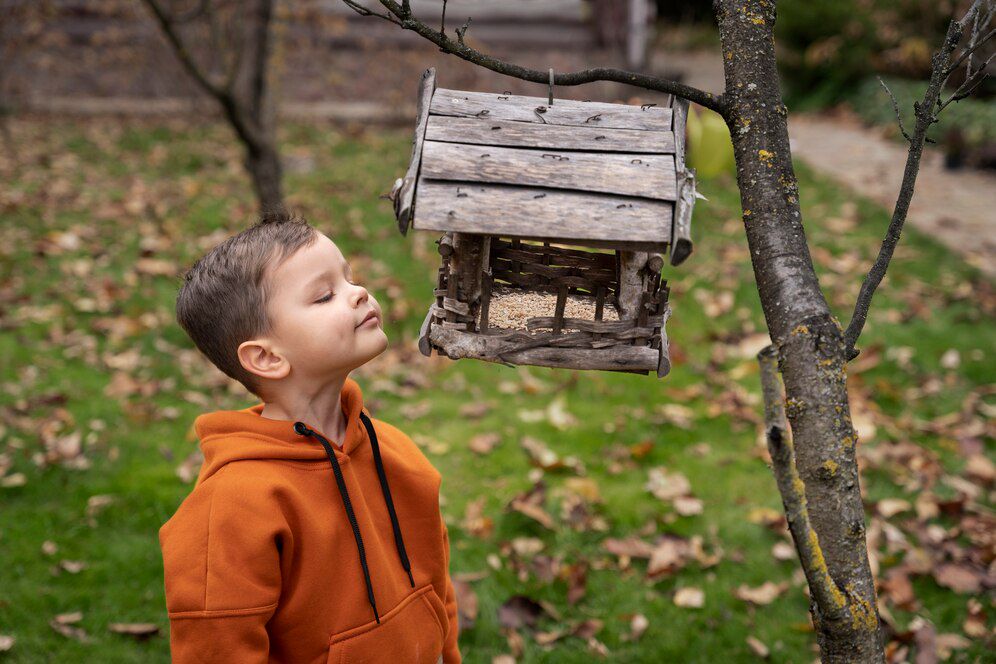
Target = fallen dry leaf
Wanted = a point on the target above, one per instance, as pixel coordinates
(474, 520)
(976, 620)
(670, 554)
(64, 625)
(530, 504)
(13, 480)
(687, 505)
(546, 638)
(526, 547)
(637, 626)
(629, 547)
(767, 517)
(577, 581)
(73, 566)
(764, 594)
(587, 628)
(543, 457)
(890, 507)
(466, 603)
(188, 470)
(981, 468)
(69, 618)
(484, 443)
(896, 586)
(689, 598)
(95, 505)
(667, 486)
(758, 647)
(558, 415)
(585, 487)
(519, 611)
(959, 578)
(782, 550)
(476, 410)
(140, 631)
(947, 642)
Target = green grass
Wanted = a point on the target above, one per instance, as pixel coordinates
(124, 186)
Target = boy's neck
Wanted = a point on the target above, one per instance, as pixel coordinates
(321, 410)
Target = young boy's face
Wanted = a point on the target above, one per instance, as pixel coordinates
(321, 321)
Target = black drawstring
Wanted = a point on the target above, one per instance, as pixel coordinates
(301, 429)
(386, 489)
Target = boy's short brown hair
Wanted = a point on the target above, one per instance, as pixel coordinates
(223, 299)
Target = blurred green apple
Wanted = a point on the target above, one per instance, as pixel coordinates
(710, 150)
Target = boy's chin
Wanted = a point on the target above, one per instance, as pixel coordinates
(373, 348)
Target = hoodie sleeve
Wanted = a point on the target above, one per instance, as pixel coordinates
(451, 650)
(222, 572)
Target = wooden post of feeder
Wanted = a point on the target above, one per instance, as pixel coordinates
(467, 267)
(631, 286)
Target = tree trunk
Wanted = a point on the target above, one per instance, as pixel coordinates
(263, 164)
(808, 338)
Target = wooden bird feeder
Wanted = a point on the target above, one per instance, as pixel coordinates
(555, 219)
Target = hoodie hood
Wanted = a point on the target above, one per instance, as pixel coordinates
(237, 435)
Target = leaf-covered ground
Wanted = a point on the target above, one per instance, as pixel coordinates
(592, 515)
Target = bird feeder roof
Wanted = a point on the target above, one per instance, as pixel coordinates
(574, 171)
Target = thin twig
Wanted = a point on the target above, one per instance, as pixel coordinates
(926, 115)
(969, 51)
(969, 86)
(706, 99)
(895, 107)
(462, 31)
(442, 20)
(363, 11)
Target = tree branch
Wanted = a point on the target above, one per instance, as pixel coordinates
(262, 51)
(828, 597)
(926, 115)
(401, 15)
(245, 127)
(167, 23)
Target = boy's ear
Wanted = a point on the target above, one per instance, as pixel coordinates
(257, 357)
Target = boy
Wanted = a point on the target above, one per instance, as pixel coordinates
(294, 546)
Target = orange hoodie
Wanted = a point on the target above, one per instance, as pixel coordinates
(291, 549)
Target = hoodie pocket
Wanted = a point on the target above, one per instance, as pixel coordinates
(410, 633)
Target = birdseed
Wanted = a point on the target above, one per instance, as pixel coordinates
(510, 308)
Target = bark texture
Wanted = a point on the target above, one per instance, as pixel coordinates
(808, 339)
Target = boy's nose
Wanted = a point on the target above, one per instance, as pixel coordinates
(360, 296)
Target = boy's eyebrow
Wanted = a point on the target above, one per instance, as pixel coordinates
(347, 270)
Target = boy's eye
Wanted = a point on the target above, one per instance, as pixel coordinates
(325, 298)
